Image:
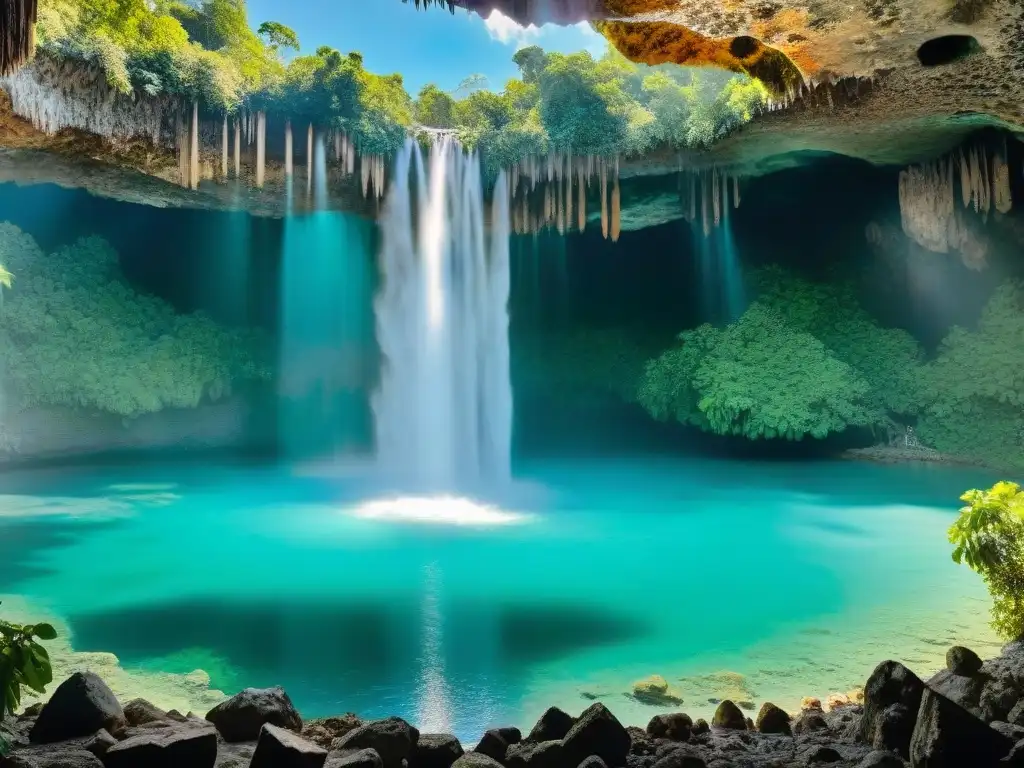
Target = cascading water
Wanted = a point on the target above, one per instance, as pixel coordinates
(444, 407)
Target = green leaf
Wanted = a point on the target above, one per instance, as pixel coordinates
(45, 632)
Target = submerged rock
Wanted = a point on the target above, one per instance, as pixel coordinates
(80, 706)
(553, 724)
(946, 734)
(772, 719)
(436, 750)
(281, 748)
(597, 732)
(892, 698)
(242, 717)
(655, 690)
(728, 715)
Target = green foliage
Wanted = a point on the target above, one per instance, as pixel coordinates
(989, 537)
(74, 333)
(974, 389)
(23, 662)
(434, 108)
(278, 36)
(757, 378)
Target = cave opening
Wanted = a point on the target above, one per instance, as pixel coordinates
(947, 49)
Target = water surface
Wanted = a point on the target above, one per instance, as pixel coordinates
(585, 577)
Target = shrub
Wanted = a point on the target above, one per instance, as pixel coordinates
(989, 537)
(23, 662)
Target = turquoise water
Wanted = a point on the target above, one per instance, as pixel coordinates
(583, 578)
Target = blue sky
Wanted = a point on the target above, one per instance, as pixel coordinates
(424, 46)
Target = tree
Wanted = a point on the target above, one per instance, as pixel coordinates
(434, 108)
(989, 537)
(757, 378)
(531, 62)
(580, 109)
(469, 86)
(278, 36)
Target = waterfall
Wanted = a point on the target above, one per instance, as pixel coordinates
(444, 407)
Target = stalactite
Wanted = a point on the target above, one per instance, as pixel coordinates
(693, 197)
(735, 191)
(1001, 183)
(581, 203)
(337, 147)
(224, 149)
(604, 200)
(965, 179)
(181, 142)
(261, 148)
(560, 208)
(309, 160)
(714, 197)
(193, 163)
(17, 33)
(616, 210)
(289, 150)
(238, 148)
(568, 199)
(705, 211)
(364, 171)
(927, 206)
(350, 160)
(975, 180)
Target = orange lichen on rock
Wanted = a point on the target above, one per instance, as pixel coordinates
(788, 31)
(662, 42)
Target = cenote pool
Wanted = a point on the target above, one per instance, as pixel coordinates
(585, 577)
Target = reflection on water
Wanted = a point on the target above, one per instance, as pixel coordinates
(462, 615)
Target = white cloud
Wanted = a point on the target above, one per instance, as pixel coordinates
(550, 36)
(505, 30)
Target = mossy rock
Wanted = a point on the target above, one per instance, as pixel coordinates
(655, 690)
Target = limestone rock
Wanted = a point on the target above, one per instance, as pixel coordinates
(946, 734)
(810, 702)
(80, 706)
(436, 750)
(281, 748)
(810, 721)
(675, 727)
(392, 738)
(493, 744)
(100, 742)
(962, 661)
(728, 715)
(241, 717)
(1014, 733)
(772, 719)
(553, 724)
(140, 711)
(965, 691)
(892, 698)
(545, 754)
(165, 748)
(354, 758)
(823, 755)
(597, 732)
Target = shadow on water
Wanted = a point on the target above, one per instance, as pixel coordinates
(21, 541)
(349, 645)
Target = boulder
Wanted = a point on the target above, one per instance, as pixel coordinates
(963, 661)
(998, 697)
(597, 732)
(436, 750)
(392, 738)
(354, 758)
(281, 748)
(772, 719)
(820, 755)
(80, 706)
(701, 726)
(728, 715)
(811, 702)
(553, 724)
(546, 754)
(892, 697)
(1016, 714)
(100, 742)
(675, 727)
(1014, 733)
(325, 730)
(880, 759)
(810, 720)
(946, 734)
(242, 717)
(64, 758)
(593, 762)
(493, 744)
(965, 691)
(476, 760)
(165, 748)
(140, 712)
(654, 690)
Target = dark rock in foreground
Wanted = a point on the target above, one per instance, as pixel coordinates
(392, 738)
(553, 724)
(361, 758)
(728, 715)
(140, 712)
(892, 698)
(436, 750)
(597, 732)
(772, 719)
(476, 760)
(675, 727)
(175, 747)
(545, 754)
(80, 706)
(963, 661)
(947, 735)
(280, 748)
(71, 758)
(241, 717)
